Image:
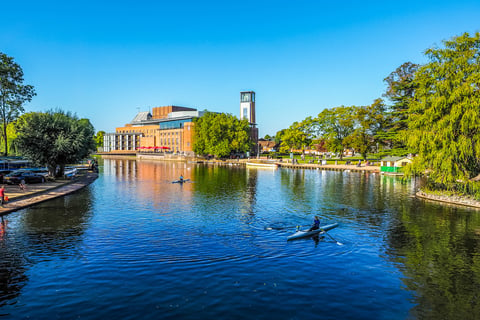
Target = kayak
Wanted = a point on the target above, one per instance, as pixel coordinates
(305, 233)
(181, 181)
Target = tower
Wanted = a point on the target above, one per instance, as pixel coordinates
(247, 106)
(247, 111)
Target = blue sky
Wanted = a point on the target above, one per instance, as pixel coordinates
(107, 60)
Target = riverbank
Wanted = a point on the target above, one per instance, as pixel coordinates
(40, 192)
(450, 199)
(446, 199)
(284, 163)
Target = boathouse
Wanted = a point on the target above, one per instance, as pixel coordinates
(393, 165)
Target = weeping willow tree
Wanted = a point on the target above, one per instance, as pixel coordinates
(444, 126)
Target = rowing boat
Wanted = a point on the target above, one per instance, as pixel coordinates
(305, 233)
(181, 181)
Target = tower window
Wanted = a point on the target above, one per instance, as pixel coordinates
(246, 97)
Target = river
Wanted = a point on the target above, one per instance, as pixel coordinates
(133, 245)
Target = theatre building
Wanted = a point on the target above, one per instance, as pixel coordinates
(168, 128)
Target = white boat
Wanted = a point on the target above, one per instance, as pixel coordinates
(306, 233)
(262, 165)
(70, 172)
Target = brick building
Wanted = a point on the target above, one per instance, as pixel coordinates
(167, 128)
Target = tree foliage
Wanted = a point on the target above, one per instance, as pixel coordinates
(443, 117)
(54, 139)
(13, 94)
(400, 92)
(220, 134)
(99, 138)
(12, 135)
(295, 137)
(335, 125)
(369, 122)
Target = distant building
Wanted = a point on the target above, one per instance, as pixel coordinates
(267, 145)
(167, 128)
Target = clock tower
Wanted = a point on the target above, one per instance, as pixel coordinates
(247, 112)
(247, 106)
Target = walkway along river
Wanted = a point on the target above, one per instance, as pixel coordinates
(37, 193)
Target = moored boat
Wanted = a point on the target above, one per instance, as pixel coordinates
(306, 233)
(262, 165)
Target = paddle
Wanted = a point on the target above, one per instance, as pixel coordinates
(281, 228)
(339, 243)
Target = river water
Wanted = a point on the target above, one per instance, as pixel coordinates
(135, 246)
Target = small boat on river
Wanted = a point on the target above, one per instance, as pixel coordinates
(305, 233)
(181, 181)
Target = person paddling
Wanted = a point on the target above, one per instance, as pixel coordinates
(316, 224)
(181, 178)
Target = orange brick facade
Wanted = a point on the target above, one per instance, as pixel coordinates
(169, 128)
(160, 132)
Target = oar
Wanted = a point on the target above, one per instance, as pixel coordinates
(339, 243)
(280, 228)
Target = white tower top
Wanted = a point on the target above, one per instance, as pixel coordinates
(247, 106)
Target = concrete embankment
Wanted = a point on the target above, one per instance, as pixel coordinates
(450, 199)
(37, 193)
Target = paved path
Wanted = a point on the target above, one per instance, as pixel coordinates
(40, 192)
(334, 167)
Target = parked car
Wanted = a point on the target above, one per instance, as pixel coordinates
(23, 176)
(3, 173)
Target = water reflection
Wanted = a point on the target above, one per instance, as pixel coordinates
(202, 247)
(57, 225)
(53, 228)
(437, 247)
(12, 267)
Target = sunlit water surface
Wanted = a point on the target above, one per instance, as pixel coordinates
(133, 245)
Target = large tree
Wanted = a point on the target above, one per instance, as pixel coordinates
(369, 122)
(54, 139)
(13, 94)
(220, 134)
(400, 93)
(335, 125)
(444, 127)
(294, 137)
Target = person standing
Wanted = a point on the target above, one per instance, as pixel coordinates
(2, 195)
